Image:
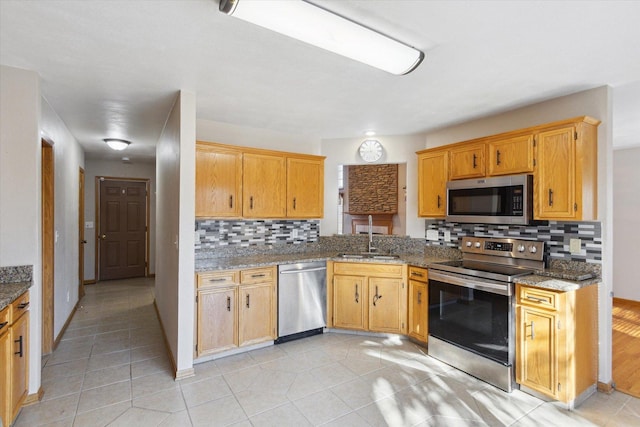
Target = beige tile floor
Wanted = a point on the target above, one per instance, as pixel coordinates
(111, 369)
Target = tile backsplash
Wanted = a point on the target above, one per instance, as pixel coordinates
(215, 233)
(556, 235)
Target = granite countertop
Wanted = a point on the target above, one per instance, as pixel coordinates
(546, 280)
(209, 264)
(9, 292)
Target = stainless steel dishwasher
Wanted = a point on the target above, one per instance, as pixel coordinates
(302, 300)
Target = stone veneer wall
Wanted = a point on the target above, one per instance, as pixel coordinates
(211, 234)
(556, 236)
(373, 189)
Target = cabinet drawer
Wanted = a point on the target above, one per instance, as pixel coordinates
(368, 269)
(418, 273)
(536, 297)
(4, 320)
(257, 275)
(19, 307)
(217, 278)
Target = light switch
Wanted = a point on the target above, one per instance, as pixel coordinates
(88, 224)
(447, 236)
(432, 235)
(575, 246)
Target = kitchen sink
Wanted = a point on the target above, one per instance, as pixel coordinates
(368, 255)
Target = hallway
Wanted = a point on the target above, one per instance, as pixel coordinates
(111, 368)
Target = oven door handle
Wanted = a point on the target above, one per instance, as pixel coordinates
(473, 283)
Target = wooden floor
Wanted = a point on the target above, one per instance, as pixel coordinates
(626, 346)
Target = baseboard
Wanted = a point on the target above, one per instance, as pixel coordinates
(33, 398)
(89, 282)
(634, 303)
(605, 387)
(151, 276)
(65, 326)
(178, 375)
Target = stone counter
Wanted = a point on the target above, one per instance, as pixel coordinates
(9, 292)
(14, 281)
(556, 284)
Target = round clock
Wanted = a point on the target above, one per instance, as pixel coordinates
(370, 150)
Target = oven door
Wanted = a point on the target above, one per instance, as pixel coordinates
(472, 313)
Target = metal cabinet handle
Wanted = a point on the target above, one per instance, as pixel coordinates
(357, 296)
(248, 301)
(536, 299)
(438, 200)
(231, 201)
(497, 157)
(376, 297)
(475, 158)
(550, 197)
(416, 273)
(219, 279)
(228, 303)
(3, 324)
(251, 202)
(23, 305)
(294, 203)
(254, 276)
(533, 334)
(19, 340)
(420, 298)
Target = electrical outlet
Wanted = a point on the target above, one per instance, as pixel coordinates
(432, 235)
(575, 246)
(68, 296)
(447, 236)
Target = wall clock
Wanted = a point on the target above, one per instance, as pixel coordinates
(370, 150)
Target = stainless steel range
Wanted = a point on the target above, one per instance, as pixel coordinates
(471, 306)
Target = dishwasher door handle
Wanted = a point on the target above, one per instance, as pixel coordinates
(303, 271)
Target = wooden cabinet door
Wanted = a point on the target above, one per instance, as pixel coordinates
(432, 183)
(418, 310)
(5, 376)
(217, 320)
(305, 188)
(387, 311)
(349, 302)
(555, 178)
(218, 182)
(263, 186)
(467, 161)
(19, 362)
(511, 156)
(256, 314)
(536, 358)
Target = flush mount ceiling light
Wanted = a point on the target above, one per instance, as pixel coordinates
(117, 144)
(319, 27)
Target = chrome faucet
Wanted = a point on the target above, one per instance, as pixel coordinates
(371, 248)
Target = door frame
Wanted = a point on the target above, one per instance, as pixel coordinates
(81, 237)
(98, 179)
(48, 244)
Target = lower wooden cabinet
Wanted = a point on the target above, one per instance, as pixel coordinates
(556, 341)
(234, 309)
(418, 303)
(14, 358)
(367, 296)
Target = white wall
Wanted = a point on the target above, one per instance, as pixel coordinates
(115, 169)
(175, 215)
(596, 103)
(68, 159)
(20, 193)
(626, 222)
(344, 151)
(225, 133)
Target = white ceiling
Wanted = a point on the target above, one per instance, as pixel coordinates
(113, 68)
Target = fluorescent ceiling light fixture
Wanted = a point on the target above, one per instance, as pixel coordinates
(117, 144)
(319, 27)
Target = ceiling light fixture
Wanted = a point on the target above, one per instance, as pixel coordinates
(319, 27)
(116, 143)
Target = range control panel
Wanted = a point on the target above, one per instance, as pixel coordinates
(510, 248)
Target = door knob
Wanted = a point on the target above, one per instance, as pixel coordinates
(104, 236)
(83, 241)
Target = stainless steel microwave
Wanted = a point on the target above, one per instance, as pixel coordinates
(498, 200)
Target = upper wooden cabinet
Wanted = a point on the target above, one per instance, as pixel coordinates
(237, 182)
(305, 187)
(433, 173)
(218, 181)
(467, 161)
(264, 186)
(511, 155)
(566, 175)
